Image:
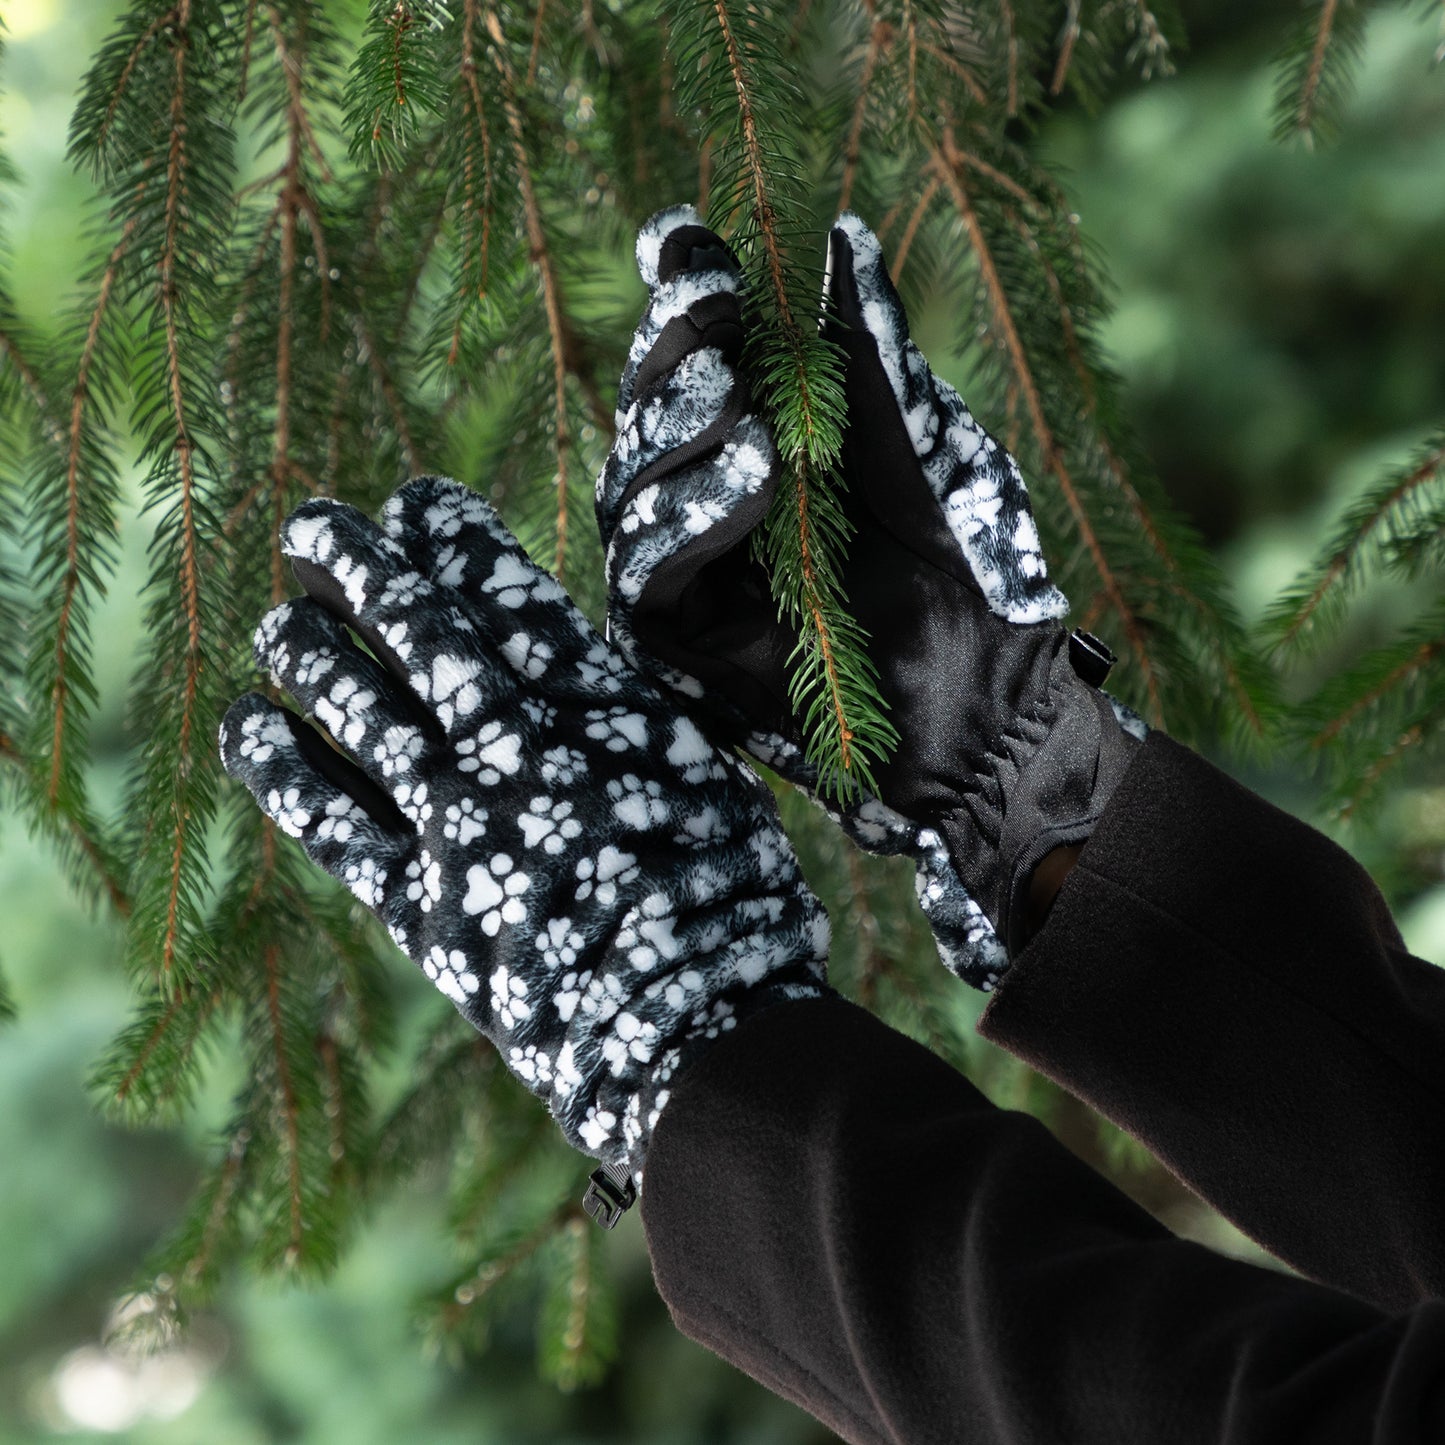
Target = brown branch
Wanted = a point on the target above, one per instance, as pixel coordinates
(491, 1274)
(542, 259)
(1048, 446)
(1012, 107)
(536, 43)
(1341, 560)
(221, 1204)
(80, 396)
(900, 257)
(177, 13)
(290, 1112)
(757, 167)
(1412, 735)
(879, 39)
(190, 562)
(1309, 91)
(1066, 50)
(1420, 658)
(469, 72)
(250, 35)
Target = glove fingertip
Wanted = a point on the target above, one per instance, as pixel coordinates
(654, 232)
(245, 719)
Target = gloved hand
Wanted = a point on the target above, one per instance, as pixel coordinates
(1007, 748)
(597, 888)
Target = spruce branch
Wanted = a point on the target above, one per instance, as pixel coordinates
(948, 169)
(1317, 68)
(541, 257)
(1376, 528)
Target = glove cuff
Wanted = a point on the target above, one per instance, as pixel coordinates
(1059, 796)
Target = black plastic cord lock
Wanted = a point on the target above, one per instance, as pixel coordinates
(1090, 658)
(610, 1194)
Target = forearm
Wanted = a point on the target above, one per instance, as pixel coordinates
(1227, 985)
(843, 1216)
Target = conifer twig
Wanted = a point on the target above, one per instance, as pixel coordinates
(183, 447)
(905, 243)
(220, 1208)
(1346, 553)
(1011, 28)
(1309, 91)
(879, 38)
(1411, 666)
(290, 1111)
(541, 258)
(1066, 50)
(1049, 450)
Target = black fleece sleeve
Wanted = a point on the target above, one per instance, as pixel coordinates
(839, 1213)
(1227, 985)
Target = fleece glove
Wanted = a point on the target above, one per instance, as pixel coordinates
(597, 888)
(1007, 747)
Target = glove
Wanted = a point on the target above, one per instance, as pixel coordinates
(596, 888)
(1007, 748)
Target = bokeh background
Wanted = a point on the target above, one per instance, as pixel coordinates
(1280, 331)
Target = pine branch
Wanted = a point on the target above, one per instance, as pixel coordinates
(541, 258)
(1002, 311)
(1381, 523)
(1317, 69)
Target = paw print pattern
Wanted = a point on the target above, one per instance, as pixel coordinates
(639, 803)
(494, 891)
(548, 825)
(466, 821)
(617, 728)
(492, 754)
(564, 856)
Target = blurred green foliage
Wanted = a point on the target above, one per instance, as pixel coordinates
(1278, 330)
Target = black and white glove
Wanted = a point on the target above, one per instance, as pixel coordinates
(597, 888)
(1007, 747)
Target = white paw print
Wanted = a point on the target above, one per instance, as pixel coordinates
(397, 748)
(602, 668)
(404, 590)
(338, 824)
(543, 714)
(425, 881)
(549, 824)
(515, 581)
(596, 1129)
(528, 656)
(449, 971)
(465, 820)
(314, 665)
(640, 805)
(509, 998)
(617, 728)
(413, 801)
(558, 945)
(646, 933)
(451, 686)
(287, 811)
(531, 1064)
(604, 874)
(692, 754)
(563, 765)
(345, 711)
(490, 754)
(495, 892)
(706, 826)
(365, 879)
(352, 576)
(630, 1038)
(569, 990)
(261, 734)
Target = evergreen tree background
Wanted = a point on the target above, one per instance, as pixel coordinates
(307, 247)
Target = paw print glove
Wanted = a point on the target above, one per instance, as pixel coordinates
(597, 888)
(1007, 748)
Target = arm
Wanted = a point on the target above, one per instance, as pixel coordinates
(840, 1214)
(1227, 984)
